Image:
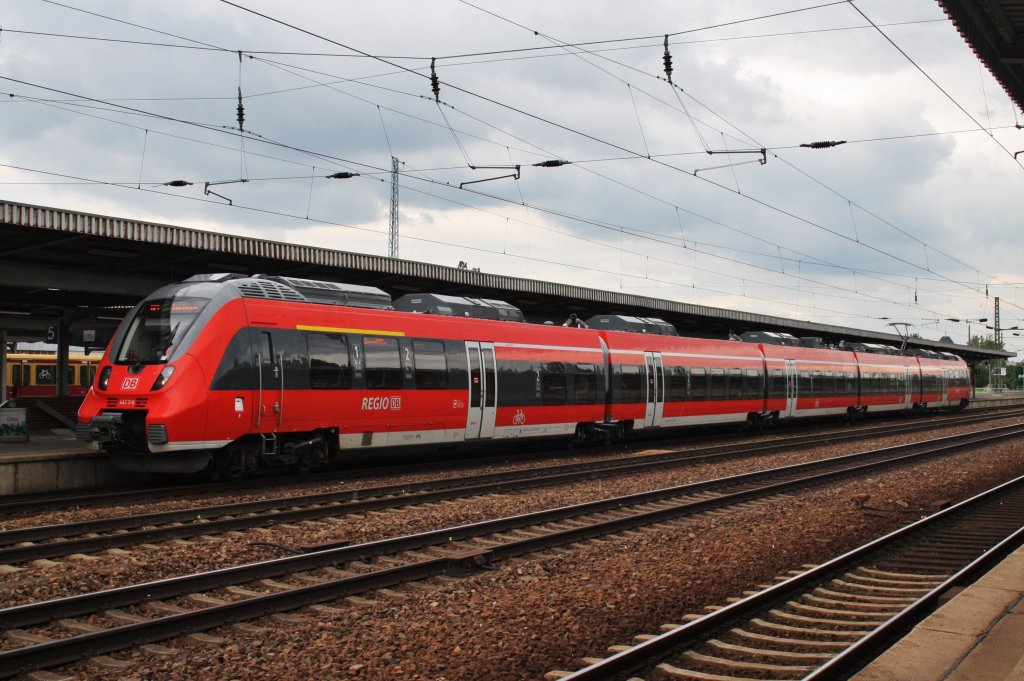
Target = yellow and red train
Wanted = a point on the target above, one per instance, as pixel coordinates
(34, 374)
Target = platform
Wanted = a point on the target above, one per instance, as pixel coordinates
(978, 635)
(53, 460)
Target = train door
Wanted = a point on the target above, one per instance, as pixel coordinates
(483, 390)
(270, 386)
(908, 390)
(791, 388)
(655, 389)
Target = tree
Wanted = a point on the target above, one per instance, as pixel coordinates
(983, 370)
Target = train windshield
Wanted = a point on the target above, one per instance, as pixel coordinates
(157, 328)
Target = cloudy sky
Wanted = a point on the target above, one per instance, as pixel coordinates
(914, 219)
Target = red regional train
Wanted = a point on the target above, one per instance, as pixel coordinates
(228, 372)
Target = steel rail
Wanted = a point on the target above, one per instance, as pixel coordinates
(72, 648)
(221, 518)
(25, 504)
(643, 654)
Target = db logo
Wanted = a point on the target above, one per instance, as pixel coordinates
(130, 383)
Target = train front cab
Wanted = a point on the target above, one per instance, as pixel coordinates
(147, 409)
(944, 384)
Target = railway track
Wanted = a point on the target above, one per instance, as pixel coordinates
(315, 577)
(55, 541)
(21, 505)
(829, 621)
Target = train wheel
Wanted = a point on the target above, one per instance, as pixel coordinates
(579, 438)
(231, 465)
(313, 455)
(303, 464)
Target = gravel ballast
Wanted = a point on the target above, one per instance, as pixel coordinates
(528, 616)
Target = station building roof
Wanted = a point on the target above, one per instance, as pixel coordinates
(994, 29)
(86, 269)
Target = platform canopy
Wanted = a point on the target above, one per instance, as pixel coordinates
(994, 29)
(78, 271)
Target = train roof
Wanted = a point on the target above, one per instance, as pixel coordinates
(459, 306)
(299, 290)
(619, 322)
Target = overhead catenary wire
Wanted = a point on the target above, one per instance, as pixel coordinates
(761, 202)
(274, 142)
(730, 22)
(623, 251)
(933, 81)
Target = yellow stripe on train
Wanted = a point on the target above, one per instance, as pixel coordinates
(335, 329)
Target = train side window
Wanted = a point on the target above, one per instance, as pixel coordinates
(328, 361)
(631, 382)
(16, 376)
(519, 381)
(585, 384)
(735, 384)
(490, 377)
(553, 383)
(678, 384)
(46, 374)
(475, 377)
(383, 364)
(236, 370)
(718, 384)
(752, 385)
(777, 384)
(86, 373)
(698, 384)
(266, 350)
(805, 386)
(431, 365)
(458, 375)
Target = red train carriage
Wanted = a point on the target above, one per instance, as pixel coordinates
(887, 382)
(810, 381)
(227, 372)
(942, 384)
(665, 381)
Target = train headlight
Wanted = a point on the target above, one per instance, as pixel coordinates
(104, 378)
(161, 380)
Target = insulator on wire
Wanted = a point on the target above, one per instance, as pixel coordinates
(823, 145)
(668, 61)
(177, 183)
(241, 110)
(435, 84)
(554, 163)
(344, 175)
